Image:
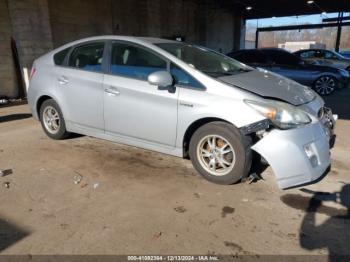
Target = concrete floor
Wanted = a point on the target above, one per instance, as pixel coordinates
(133, 201)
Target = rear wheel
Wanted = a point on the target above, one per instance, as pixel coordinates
(325, 85)
(220, 153)
(52, 120)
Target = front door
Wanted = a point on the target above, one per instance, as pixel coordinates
(132, 107)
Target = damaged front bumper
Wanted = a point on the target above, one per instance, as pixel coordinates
(299, 156)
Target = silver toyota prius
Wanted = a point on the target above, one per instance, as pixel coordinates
(184, 100)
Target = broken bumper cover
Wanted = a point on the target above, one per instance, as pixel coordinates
(297, 156)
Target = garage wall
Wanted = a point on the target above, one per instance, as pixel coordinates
(157, 18)
(41, 25)
(7, 72)
(74, 19)
(198, 23)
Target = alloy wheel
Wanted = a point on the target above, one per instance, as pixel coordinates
(216, 155)
(325, 85)
(51, 119)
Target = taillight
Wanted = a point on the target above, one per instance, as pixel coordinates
(32, 72)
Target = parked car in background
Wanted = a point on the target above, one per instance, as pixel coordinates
(346, 54)
(183, 100)
(324, 57)
(323, 79)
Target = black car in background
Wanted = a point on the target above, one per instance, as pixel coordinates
(323, 79)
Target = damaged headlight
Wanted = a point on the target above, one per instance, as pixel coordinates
(282, 115)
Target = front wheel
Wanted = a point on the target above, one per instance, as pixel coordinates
(325, 85)
(220, 153)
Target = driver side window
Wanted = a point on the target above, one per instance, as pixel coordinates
(183, 78)
(132, 61)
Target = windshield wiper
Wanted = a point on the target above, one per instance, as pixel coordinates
(226, 73)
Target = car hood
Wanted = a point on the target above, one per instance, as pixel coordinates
(270, 85)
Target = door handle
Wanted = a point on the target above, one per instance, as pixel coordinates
(62, 80)
(112, 91)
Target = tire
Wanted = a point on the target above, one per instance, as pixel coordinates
(226, 136)
(325, 85)
(52, 120)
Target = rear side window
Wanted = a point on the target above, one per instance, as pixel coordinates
(87, 57)
(183, 78)
(132, 61)
(59, 57)
(307, 54)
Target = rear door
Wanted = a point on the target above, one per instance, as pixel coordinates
(80, 85)
(132, 107)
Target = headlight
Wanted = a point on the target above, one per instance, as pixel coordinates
(282, 115)
(344, 72)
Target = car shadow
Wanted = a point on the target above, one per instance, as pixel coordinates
(334, 233)
(10, 234)
(14, 117)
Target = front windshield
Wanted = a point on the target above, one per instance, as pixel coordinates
(205, 60)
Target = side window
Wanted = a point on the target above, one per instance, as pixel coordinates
(59, 57)
(307, 54)
(329, 55)
(183, 78)
(282, 57)
(319, 54)
(132, 61)
(87, 57)
(251, 57)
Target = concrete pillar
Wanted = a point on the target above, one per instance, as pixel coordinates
(31, 29)
(8, 84)
(238, 33)
(220, 30)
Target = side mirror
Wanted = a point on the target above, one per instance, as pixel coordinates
(163, 80)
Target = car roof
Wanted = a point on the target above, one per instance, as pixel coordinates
(313, 49)
(273, 49)
(140, 40)
(260, 50)
(155, 40)
(152, 40)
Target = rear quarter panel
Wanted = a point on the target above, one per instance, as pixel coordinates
(43, 83)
